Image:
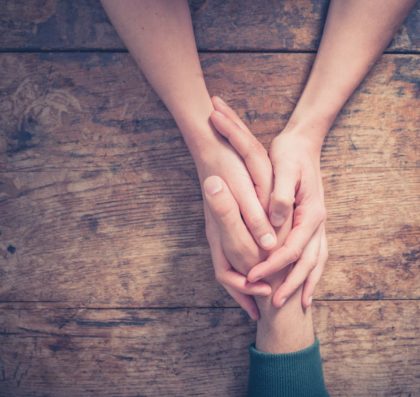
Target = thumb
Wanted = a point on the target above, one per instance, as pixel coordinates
(283, 196)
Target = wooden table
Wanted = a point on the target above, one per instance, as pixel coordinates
(106, 282)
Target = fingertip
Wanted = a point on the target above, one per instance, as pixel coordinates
(277, 219)
(307, 294)
(309, 302)
(278, 302)
(217, 99)
(266, 290)
(268, 241)
(254, 276)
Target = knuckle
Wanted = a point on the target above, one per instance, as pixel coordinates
(248, 150)
(253, 148)
(282, 201)
(294, 253)
(258, 148)
(257, 222)
(307, 264)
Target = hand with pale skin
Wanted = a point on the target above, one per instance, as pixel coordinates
(297, 195)
(234, 251)
(297, 189)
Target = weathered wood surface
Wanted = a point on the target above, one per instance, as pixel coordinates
(219, 25)
(369, 349)
(105, 274)
(97, 184)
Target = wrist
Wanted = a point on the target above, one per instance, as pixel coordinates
(200, 137)
(288, 329)
(284, 330)
(192, 117)
(312, 132)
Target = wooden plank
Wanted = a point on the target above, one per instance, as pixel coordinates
(125, 240)
(83, 111)
(219, 25)
(369, 348)
(96, 183)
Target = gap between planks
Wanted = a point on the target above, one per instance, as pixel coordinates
(204, 51)
(18, 305)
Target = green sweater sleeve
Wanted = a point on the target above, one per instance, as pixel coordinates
(297, 374)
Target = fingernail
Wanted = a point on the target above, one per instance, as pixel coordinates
(281, 303)
(221, 100)
(218, 114)
(276, 219)
(268, 240)
(266, 291)
(255, 278)
(212, 186)
(310, 301)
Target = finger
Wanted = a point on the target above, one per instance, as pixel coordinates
(294, 245)
(226, 212)
(286, 177)
(249, 148)
(246, 302)
(315, 276)
(220, 201)
(240, 248)
(220, 105)
(226, 275)
(300, 271)
(239, 282)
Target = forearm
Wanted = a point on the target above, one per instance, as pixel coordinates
(355, 34)
(159, 36)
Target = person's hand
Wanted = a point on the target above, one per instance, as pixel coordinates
(297, 191)
(236, 198)
(249, 186)
(233, 250)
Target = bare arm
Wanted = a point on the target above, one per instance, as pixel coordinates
(356, 32)
(159, 36)
(355, 35)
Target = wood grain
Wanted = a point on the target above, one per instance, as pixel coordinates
(200, 352)
(287, 25)
(97, 184)
(106, 284)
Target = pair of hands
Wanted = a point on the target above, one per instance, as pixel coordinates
(242, 184)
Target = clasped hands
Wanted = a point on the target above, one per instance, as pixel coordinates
(265, 213)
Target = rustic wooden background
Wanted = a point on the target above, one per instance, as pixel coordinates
(106, 284)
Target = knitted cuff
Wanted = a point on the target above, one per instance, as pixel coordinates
(297, 374)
